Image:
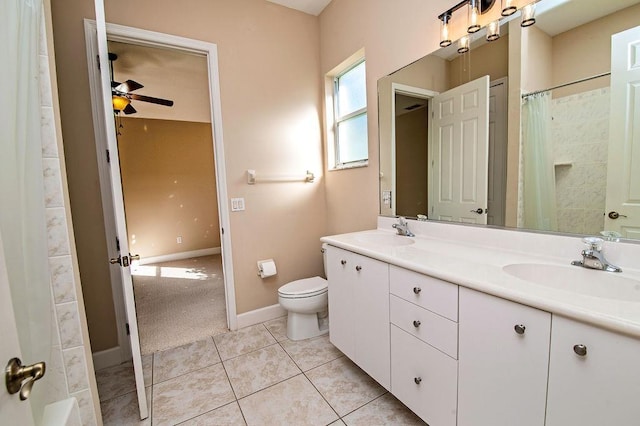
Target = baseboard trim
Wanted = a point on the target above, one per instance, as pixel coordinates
(107, 358)
(180, 256)
(258, 316)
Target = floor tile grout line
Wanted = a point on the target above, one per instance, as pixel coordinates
(323, 397)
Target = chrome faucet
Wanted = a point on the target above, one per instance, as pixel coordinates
(593, 258)
(403, 227)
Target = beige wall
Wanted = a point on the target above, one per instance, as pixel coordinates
(169, 186)
(393, 34)
(569, 61)
(270, 93)
(490, 59)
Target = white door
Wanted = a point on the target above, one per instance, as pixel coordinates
(121, 228)
(623, 169)
(12, 410)
(460, 151)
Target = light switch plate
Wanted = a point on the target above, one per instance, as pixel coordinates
(237, 204)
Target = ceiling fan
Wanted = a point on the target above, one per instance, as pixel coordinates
(121, 95)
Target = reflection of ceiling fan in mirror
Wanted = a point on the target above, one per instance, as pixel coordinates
(121, 95)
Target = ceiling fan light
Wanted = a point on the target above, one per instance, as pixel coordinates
(119, 102)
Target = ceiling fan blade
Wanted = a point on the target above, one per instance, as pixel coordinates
(115, 84)
(129, 109)
(144, 98)
(129, 86)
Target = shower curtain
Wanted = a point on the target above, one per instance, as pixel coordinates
(538, 186)
(22, 211)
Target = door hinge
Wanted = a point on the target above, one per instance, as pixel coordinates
(222, 231)
(117, 243)
(126, 326)
(108, 156)
(98, 61)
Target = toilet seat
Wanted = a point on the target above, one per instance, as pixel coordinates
(307, 287)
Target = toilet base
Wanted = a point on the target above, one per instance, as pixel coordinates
(305, 326)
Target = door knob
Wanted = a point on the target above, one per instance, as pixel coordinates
(15, 375)
(615, 215)
(115, 260)
(479, 210)
(134, 256)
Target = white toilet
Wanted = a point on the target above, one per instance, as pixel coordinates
(306, 302)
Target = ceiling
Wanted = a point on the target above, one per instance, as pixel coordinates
(312, 7)
(179, 76)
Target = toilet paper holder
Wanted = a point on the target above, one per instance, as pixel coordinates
(266, 268)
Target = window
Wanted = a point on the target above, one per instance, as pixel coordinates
(350, 117)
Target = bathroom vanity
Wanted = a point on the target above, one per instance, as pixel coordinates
(463, 337)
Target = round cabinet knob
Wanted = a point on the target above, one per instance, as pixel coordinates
(519, 328)
(417, 380)
(580, 350)
(416, 323)
(417, 290)
(358, 268)
(343, 262)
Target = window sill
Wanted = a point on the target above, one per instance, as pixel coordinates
(359, 164)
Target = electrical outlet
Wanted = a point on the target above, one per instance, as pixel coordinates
(179, 239)
(237, 204)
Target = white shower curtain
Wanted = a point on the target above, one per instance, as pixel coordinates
(22, 211)
(539, 182)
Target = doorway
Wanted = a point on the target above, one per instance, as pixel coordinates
(178, 46)
(170, 198)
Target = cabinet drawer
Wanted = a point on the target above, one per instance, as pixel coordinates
(423, 378)
(431, 293)
(438, 331)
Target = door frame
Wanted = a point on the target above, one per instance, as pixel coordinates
(416, 92)
(147, 38)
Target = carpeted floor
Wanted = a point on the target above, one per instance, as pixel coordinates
(179, 302)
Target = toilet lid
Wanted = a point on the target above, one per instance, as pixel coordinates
(304, 288)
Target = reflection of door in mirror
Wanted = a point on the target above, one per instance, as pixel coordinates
(459, 151)
(497, 185)
(623, 168)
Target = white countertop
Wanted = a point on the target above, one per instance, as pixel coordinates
(480, 267)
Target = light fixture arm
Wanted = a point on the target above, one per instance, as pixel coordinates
(484, 5)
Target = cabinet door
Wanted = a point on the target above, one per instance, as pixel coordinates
(371, 304)
(502, 371)
(341, 309)
(423, 378)
(599, 387)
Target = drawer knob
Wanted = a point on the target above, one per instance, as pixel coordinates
(580, 350)
(417, 380)
(416, 323)
(343, 262)
(417, 290)
(358, 268)
(519, 328)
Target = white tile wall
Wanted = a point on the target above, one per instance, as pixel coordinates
(580, 131)
(68, 366)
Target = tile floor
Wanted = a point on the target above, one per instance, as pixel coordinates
(254, 376)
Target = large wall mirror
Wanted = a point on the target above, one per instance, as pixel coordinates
(539, 129)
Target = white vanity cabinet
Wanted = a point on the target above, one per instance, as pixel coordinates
(503, 362)
(359, 310)
(594, 376)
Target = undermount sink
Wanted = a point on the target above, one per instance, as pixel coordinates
(379, 239)
(587, 282)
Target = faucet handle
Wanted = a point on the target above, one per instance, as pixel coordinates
(594, 243)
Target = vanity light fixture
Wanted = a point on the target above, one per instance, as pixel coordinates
(445, 40)
(463, 44)
(508, 8)
(528, 15)
(474, 11)
(493, 30)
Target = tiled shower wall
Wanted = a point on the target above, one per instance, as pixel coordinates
(580, 131)
(68, 362)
